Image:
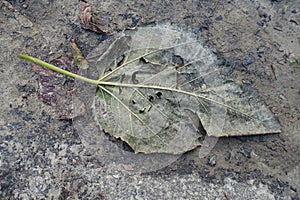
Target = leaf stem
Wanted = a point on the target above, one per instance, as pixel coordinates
(57, 69)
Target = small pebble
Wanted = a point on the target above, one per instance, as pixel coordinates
(251, 181)
(219, 18)
(293, 188)
(8, 137)
(277, 28)
(281, 96)
(294, 10)
(116, 176)
(248, 61)
(261, 23)
(228, 156)
(263, 15)
(212, 161)
(245, 152)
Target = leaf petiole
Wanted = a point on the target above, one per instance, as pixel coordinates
(56, 69)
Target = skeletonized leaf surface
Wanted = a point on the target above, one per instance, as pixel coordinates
(172, 89)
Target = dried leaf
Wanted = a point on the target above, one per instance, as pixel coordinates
(159, 87)
(78, 57)
(161, 90)
(53, 90)
(87, 19)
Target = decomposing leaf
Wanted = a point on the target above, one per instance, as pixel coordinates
(161, 90)
(50, 82)
(53, 90)
(78, 57)
(87, 19)
(155, 80)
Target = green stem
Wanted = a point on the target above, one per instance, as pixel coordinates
(57, 69)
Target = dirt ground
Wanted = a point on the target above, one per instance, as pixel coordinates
(42, 157)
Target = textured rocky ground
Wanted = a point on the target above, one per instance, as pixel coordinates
(43, 157)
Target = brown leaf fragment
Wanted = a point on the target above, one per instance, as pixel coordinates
(87, 19)
(57, 90)
(48, 83)
(78, 57)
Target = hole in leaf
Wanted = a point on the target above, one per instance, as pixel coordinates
(142, 110)
(150, 98)
(178, 61)
(158, 94)
(120, 60)
(143, 60)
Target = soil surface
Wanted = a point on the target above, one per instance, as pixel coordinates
(43, 157)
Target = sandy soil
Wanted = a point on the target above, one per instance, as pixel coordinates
(42, 157)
